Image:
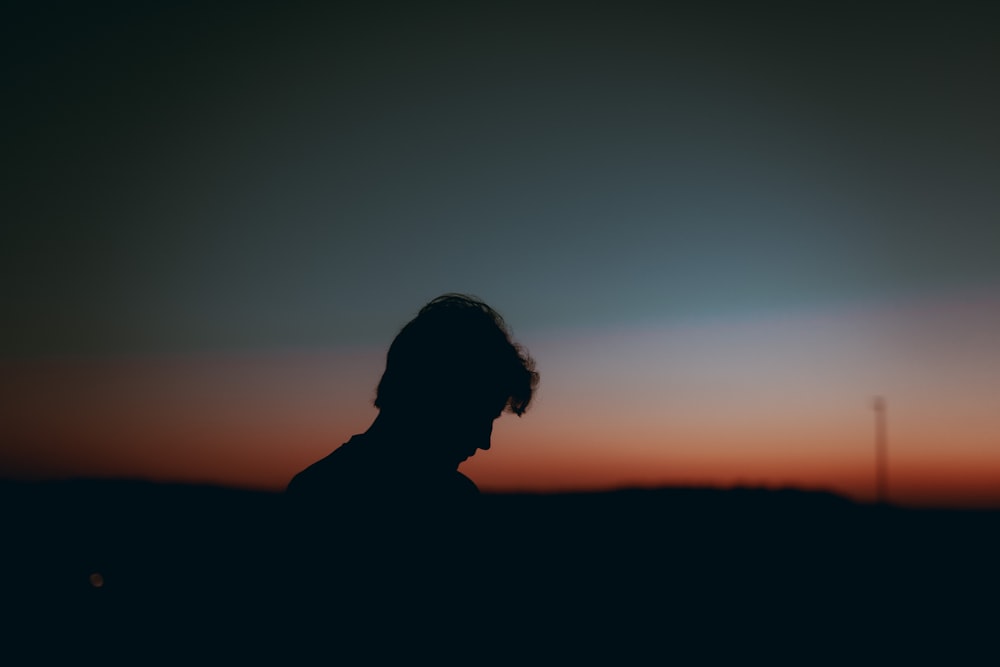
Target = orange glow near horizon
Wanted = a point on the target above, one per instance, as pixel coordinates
(776, 402)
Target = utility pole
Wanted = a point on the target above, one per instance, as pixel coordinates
(881, 451)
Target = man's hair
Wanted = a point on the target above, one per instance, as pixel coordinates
(457, 349)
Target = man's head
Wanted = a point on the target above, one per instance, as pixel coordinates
(455, 366)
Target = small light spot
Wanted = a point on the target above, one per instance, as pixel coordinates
(96, 579)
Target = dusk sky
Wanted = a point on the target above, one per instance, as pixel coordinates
(720, 230)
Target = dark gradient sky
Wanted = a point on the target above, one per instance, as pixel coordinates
(207, 179)
(218, 175)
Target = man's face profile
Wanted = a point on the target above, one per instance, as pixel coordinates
(462, 433)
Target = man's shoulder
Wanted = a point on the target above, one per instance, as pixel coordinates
(327, 473)
(464, 485)
(359, 472)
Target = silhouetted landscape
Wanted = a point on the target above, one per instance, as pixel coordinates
(114, 567)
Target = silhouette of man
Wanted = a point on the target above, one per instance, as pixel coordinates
(450, 372)
(386, 520)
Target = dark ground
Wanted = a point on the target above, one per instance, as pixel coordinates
(209, 575)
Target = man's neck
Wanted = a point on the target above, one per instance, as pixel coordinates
(406, 441)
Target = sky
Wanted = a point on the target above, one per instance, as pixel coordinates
(721, 230)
